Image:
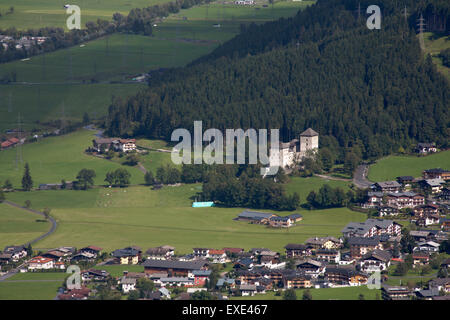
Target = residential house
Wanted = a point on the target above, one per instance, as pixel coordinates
(244, 263)
(311, 267)
(428, 220)
(41, 263)
(247, 289)
(127, 284)
(200, 277)
(75, 294)
(230, 282)
(428, 246)
(345, 276)
(427, 294)
(374, 199)
(372, 227)
(396, 293)
(426, 147)
(386, 186)
(445, 194)
(406, 181)
(436, 173)
(176, 282)
(92, 250)
(402, 200)
(420, 258)
(297, 280)
(17, 252)
(129, 255)
(387, 211)
(103, 144)
(421, 235)
(160, 253)
(442, 284)
(94, 275)
(324, 243)
(376, 261)
(434, 186)
(425, 210)
(173, 267)
(328, 255)
(218, 256)
(297, 250)
(359, 246)
(5, 258)
(125, 145)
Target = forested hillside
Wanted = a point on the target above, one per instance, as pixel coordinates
(366, 91)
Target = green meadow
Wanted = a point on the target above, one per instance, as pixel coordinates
(41, 290)
(51, 13)
(433, 46)
(115, 218)
(394, 166)
(19, 226)
(55, 158)
(345, 293)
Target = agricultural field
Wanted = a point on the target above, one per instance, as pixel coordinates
(433, 46)
(345, 293)
(55, 158)
(115, 218)
(19, 226)
(51, 13)
(394, 166)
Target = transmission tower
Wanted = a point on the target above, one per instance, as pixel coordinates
(421, 26)
(405, 14)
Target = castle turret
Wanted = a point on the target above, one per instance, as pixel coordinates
(309, 140)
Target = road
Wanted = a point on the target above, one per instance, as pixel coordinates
(52, 229)
(360, 177)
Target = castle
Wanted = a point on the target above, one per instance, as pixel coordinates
(295, 150)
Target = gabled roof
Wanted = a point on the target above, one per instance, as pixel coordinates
(362, 241)
(377, 254)
(254, 215)
(174, 264)
(309, 133)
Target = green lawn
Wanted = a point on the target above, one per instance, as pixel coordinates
(55, 158)
(303, 186)
(346, 293)
(117, 270)
(394, 166)
(144, 217)
(41, 276)
(19, 226)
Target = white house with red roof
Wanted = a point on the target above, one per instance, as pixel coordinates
(41, 263)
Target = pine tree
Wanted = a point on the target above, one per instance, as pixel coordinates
(27, 182)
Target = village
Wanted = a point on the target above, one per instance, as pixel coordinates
(365, 249)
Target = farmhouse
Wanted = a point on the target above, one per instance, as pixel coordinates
(434, 186)
(420, 259)
(374, 199)
(16, 252)
(94, 275)
(128, 284)
(396, 293)
(387, 211)
(406, 181)
(255, 217)
(311, 267)
(218, 256)
(105, 144)
(441, 284)
(428, 246)
(173, 267)
(324, 243)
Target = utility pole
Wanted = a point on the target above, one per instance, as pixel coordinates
(421, 25)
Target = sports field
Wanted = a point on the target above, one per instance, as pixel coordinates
(394, 166)
(19, 226)
(55, 158)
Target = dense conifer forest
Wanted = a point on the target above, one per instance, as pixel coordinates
(367, 92)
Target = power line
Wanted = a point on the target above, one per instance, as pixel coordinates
(421, 26)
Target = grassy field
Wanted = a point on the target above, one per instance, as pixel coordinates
(303, 186)
(19, 226)
(433, 46)
(394, 166)
(115, 218)
(346, 293)
(55, 158)
(51, 13)
(42, 290)
(117, 270)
